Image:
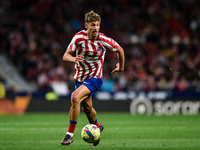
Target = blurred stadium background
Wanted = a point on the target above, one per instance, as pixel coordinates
(160, 39)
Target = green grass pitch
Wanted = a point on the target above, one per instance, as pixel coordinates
(44, 131)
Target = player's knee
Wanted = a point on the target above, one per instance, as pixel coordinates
(74, 99)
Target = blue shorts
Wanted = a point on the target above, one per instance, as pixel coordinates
(93, 84)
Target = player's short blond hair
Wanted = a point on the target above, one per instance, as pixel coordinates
(91, 17)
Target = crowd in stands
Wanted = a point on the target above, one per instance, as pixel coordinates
(161, 40)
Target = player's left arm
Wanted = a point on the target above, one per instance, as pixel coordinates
(121, 60)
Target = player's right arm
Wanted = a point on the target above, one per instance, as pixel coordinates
(68, 56)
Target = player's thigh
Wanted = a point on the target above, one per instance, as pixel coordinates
(87, 103)
(80, 93)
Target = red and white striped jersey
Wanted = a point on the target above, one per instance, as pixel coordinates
(93, 52)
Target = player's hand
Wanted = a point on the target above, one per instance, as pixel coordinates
(117, 69)
(79, 58)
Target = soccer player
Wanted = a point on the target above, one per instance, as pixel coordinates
(90, 46)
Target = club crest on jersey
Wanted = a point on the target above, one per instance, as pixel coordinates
(99, 49)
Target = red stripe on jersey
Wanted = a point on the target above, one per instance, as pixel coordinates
(83, 72)
(76, 73)
(93, 46)
(100, 73)
(70, 47)
(97, 68)
(86, 48)
(80, 50)
(83, 32)
(94, 49)
(101, 58)
(78, 40)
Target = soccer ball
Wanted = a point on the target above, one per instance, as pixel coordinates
(90, 133)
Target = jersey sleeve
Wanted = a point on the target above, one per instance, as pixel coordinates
(73, 44)
(109, 43)
(114, 45)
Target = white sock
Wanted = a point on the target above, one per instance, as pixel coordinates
(71, 134)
